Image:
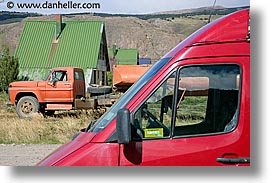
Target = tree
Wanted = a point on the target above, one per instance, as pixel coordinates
(9, 69)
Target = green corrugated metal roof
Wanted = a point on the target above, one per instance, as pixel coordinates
(35, 44)
(78, 45)
(126, 56)
(85, 54)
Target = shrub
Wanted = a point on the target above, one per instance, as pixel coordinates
(8, 69)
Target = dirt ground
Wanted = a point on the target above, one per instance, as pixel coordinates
(24, 154)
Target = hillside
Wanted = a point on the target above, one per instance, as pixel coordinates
(153, 34)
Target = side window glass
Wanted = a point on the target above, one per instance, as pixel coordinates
(207, 99)
(60, 76)
(78, 75)
(153, 118)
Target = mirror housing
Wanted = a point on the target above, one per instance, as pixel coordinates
(123, 126)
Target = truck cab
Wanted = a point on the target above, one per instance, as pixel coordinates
(58, 91)
(191, 108)
(65, 85)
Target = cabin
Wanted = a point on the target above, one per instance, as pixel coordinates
(123, 56)
(47, 44)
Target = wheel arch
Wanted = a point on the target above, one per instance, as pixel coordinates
(23, 94)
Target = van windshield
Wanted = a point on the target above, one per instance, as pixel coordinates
(130, 93)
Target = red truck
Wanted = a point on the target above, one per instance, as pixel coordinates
(192, 107)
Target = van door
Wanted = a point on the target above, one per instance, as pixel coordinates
(197, 116)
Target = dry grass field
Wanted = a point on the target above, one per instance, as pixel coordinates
(60, 127)
(56, 129)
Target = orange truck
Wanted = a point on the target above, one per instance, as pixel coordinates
(64, 89)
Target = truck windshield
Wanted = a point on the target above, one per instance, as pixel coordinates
(131, 92)
(50, 71)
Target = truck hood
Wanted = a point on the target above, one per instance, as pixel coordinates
(68, 148)
(25, 84)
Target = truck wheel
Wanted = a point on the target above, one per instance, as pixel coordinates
(26, 106)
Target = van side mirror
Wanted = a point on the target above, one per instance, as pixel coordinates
(123, 127)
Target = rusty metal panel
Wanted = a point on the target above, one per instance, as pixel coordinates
(108, 102)
(85, 104)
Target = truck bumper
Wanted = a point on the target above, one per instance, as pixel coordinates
(9, 104)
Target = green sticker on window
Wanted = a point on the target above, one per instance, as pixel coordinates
(153, 132)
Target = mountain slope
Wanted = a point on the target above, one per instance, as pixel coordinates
(153, 34)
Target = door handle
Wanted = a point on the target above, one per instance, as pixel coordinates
(233, 160)
(67, 84)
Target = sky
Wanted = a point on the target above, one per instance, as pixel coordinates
(114, 6)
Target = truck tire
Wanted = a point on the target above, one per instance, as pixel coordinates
(99, 90)
(26, 106)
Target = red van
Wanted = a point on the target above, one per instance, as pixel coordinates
(192, 107)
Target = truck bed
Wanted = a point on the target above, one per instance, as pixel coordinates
(126, 75)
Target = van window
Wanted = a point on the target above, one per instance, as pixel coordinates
(153, 118)
(107, 117)
(208, 99)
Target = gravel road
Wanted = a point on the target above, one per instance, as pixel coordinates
(24, 154)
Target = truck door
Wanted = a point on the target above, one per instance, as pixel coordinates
(197, 116)
(79, 84)
(59, 89)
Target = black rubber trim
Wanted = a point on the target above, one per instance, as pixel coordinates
(233, 160)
